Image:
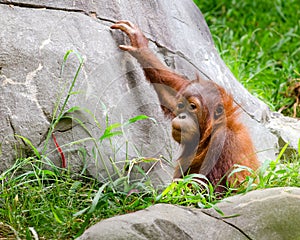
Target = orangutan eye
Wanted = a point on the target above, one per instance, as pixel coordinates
(193, 106)
(180, 105)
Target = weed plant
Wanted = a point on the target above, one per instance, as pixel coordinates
(39, 200)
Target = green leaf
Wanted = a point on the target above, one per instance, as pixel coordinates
(97, 197)
(28, 142)
(74, 187)
(217, 209)
(76, 92)
(113, 126)
(79, 213)
(138, 118)
(281, 152)
(57, 215)
(110, 134)
(48, 173)
(72, 109)
(298, 147)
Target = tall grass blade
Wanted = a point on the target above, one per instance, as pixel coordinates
(97, 197)
(28, 142)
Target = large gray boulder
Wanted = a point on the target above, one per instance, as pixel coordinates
(35, 35)
(263, 214)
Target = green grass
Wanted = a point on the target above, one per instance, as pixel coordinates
(260, 43)
(57, 204)
(39, 198)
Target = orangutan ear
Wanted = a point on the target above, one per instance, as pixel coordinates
(198, 79)
(219, 111)
(215, 149)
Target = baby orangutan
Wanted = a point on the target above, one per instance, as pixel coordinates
(204, 117)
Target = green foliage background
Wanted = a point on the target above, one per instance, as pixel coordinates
(260, 42)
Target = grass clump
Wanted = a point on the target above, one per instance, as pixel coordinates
(280, 172)
(260, 43)
(57, 205)
(39, 200)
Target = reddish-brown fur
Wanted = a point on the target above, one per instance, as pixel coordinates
(205, 119)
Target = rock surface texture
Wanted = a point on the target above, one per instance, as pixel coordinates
(264, 215)
(36, 34)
